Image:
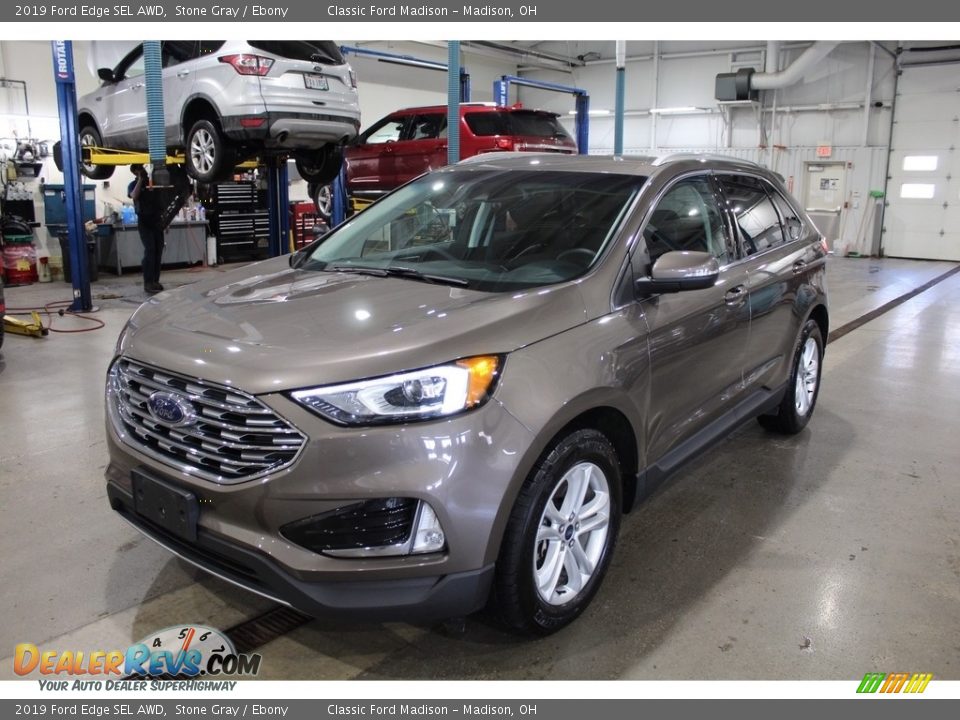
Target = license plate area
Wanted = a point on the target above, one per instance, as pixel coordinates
(316, 82)
(171, 508)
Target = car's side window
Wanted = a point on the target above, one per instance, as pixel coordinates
(753, 211)
(178, 51)
(428, 127)
(687, 218)
(131, 66)
(792, 222)
(387, 130)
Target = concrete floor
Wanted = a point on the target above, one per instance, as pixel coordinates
(821, 556)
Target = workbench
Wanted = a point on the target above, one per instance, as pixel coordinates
(186, 244)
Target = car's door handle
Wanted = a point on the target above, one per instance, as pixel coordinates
(183, 73)
(99, 98)
(735, 295)
(799, 266)
(136, 86)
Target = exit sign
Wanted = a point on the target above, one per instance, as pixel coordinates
(824, 151)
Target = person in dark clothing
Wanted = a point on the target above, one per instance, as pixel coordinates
(146, 200)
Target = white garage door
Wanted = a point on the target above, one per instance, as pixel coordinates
(923, 216)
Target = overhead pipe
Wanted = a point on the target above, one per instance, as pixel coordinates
(797, 69)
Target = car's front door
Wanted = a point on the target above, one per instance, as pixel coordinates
(121, 104)
(697, 338)
(371, 162)
(423, 147)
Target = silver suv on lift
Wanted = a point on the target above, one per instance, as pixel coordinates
(225, 101)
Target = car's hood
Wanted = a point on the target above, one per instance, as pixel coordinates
(267, 327)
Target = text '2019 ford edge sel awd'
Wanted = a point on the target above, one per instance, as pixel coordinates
(455, 396)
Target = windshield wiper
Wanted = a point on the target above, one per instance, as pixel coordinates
(399, 271)
(413, 274)
(358, 269)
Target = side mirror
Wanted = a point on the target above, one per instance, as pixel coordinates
(106, 74)
(678, 271)
(298, 258)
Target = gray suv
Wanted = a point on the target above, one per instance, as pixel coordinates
(226, 101)
(455, 396)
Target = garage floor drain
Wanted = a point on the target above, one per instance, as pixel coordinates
(259, 631)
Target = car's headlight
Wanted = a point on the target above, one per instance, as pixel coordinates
(415, 395)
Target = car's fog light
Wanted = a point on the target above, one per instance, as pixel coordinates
(428, 537)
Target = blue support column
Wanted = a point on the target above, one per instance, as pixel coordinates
(338, 209)
(70, 145)
(618, 112)
(278, 206)
(453, 102)
(501, 92)
(583, 123)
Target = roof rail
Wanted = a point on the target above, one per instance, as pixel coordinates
(673, 157)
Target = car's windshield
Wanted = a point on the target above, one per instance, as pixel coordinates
(482, 228)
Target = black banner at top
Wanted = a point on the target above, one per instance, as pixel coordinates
(360, 11)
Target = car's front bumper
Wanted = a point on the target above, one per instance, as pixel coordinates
(466, 467)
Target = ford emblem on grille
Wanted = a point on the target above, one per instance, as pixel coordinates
(171, 409)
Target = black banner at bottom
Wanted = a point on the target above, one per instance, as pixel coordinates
(876, 708)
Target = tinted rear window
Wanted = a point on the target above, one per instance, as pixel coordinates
(515, 123)
(324, 52)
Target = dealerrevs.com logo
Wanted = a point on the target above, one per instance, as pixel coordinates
(184, 652)
(888, 683)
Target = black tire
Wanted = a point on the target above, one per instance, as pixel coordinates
(322, 196)
(798, 404)
(320, 167)
(89, 135)
(516, 597)
(209, 157)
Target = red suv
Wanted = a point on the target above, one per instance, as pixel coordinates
(410, 142)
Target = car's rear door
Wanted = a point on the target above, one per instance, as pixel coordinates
(778, 259)
(422, 148)
(697, 338)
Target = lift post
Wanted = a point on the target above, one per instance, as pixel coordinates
(339, 186)
(501, 95)
(278, 205)
(65, 81)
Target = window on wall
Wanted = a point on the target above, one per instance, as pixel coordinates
(754, 212)
(920, 163)
(918, 191)
(687, 218)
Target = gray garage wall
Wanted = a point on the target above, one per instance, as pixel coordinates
(783, 140)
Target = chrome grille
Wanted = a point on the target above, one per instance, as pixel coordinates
(235, 437)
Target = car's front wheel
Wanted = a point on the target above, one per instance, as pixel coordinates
(90, 137)
(560, 536)
(209, 158)
(796, 408)
(321, 166)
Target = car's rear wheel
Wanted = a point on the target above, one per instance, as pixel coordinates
(560, 536)
(796, 408)
(90, 137)
(322, 196)
(321, 166)
(209, 158)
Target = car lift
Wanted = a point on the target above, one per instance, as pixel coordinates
(65, 80)
(501, 95)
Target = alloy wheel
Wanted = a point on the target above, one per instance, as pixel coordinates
(572, 534)
(808, 375)
(203, 150)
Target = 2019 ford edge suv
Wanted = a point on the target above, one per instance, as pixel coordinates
(226, 101)
(456, 395)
